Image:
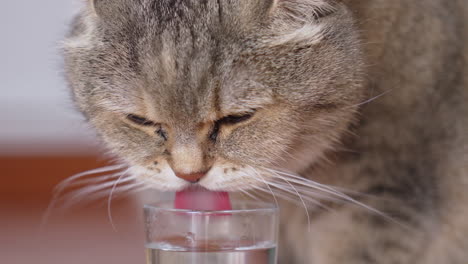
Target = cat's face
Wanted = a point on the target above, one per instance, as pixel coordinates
(184, 87)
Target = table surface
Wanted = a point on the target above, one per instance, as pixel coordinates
(81, 235)
(78, 236)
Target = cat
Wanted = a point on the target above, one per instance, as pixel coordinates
(358, 106)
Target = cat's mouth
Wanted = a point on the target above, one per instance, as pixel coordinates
(201, 199)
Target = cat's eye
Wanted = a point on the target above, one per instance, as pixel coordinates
(234, 119)
(140, 120)
(162, 133)
(229, 120)
(145, 122)
(214, 132)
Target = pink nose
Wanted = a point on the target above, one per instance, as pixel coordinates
(192, 177)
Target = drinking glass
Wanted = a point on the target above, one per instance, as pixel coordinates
(247, 234)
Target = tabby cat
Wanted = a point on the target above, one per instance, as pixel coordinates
(357, 109)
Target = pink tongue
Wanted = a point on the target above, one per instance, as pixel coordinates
(198, 199)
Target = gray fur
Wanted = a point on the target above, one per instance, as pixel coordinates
(309, 68)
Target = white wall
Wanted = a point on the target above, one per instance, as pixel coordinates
(36, 113)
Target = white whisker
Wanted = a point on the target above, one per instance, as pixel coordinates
(86, 192)
(327, 189)
(109, 202)
(370, 99)
(269, 188)
(62, 185)
(101, 194)
(58, 190)
(90, 181)
(252, 196)
(302, 200)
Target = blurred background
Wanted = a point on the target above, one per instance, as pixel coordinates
(43, 140)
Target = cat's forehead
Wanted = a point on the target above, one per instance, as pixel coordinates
(200, 82)
(193, 72)
(186, 58)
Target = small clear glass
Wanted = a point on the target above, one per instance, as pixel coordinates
(247, 234)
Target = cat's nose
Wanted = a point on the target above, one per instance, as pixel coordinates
(191, 177)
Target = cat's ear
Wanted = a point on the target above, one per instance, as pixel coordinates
(268, 6)
(101, 7)
(260, 7)
(107, 8)
(247, 12)
(95, 6)
(273, 5)
(300, 9)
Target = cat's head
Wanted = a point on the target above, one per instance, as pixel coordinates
(221, 89)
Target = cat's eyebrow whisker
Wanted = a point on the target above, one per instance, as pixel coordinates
(305, 123)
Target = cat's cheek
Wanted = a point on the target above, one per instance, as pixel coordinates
(160, 178)
(230, 177)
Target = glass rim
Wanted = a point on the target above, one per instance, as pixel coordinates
(261, 207)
